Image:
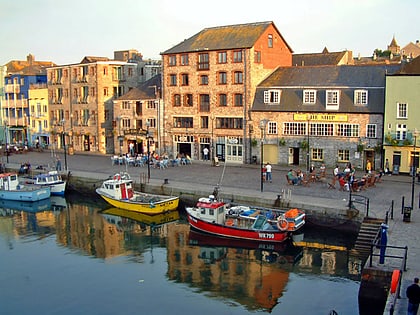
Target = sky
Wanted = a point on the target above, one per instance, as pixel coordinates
(64, 31)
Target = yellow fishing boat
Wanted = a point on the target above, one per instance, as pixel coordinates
(118, 191)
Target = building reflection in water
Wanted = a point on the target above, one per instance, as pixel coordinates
(252, 276)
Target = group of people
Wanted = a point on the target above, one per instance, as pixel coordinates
(348, 181)
(25, 168)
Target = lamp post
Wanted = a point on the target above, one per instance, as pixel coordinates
(307, 149)
(262, 127)
(6, 132)
(64, 144)
(414, 170)
(119, 134)
(212, 141)
(148, 150)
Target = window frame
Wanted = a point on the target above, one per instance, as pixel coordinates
(309, 97)
(361, 97)
(272, 96)
(222, 57)
(332, 99)
(402, 110)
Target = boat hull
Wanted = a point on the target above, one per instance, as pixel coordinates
(169, 204)
(26, 194)
(57, 189)
(236, 232)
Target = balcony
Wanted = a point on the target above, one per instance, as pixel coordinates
(391, 139)
(12, 88)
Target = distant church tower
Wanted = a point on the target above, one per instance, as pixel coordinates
(393, 47)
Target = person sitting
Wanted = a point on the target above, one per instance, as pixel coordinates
(294, 179)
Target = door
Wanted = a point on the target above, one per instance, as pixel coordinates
(123, 191)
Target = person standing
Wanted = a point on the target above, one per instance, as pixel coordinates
(368, 167)
(206, 153)
(268, 174)
(58, 163)
(387, 170)
(413, 295)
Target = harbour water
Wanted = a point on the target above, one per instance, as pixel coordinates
(76, 259)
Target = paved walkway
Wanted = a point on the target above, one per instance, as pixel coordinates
(245, 180)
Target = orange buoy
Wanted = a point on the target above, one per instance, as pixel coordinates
(394, 280)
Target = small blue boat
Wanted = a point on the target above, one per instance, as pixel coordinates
(53, 180)
(12, 189)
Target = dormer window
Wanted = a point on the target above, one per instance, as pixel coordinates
(272, 97)
(332, 99)
(309, 96)
(360, 97)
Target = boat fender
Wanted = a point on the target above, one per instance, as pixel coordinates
(394, 280)
(282, 223)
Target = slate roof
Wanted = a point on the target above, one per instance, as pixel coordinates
(411, 68)
(27, 68)
(223, 37)
(91, 59)
(144, 91)
(319, 59)
(293, 80)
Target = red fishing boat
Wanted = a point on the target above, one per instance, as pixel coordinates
(245, 223)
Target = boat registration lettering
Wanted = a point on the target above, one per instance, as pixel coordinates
(266, 235)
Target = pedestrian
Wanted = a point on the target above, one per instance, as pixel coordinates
(368, 167)
(58, 163)
(387, 171)
(268, 174)
(206, 153)
(413, 295)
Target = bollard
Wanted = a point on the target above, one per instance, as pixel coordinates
(384, 240)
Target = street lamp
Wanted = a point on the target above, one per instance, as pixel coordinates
(414, 169)
(6, 134)
(119, 134)
(212, 141)
(63, 122)
(148, 150)
(262, 127)
(307, 149)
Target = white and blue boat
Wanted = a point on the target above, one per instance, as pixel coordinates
(12, 189)
(53, 180)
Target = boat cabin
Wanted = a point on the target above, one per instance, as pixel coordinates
(50, 177)
(9, 181)
(211, 210)
(119, 188)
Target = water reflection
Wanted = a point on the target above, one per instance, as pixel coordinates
(250, 273)
(254, 276)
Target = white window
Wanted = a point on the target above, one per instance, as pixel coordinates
(294, 128)
(347, 130)
(332, 98)
(402, 110)
(360, 97)
(309, 96)
(272, 97)
(272, 128)
(401, 131)
(371, 131)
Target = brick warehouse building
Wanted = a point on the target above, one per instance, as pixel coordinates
(209, 82)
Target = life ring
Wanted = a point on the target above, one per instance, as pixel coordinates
(394, 280)
(282, 224)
